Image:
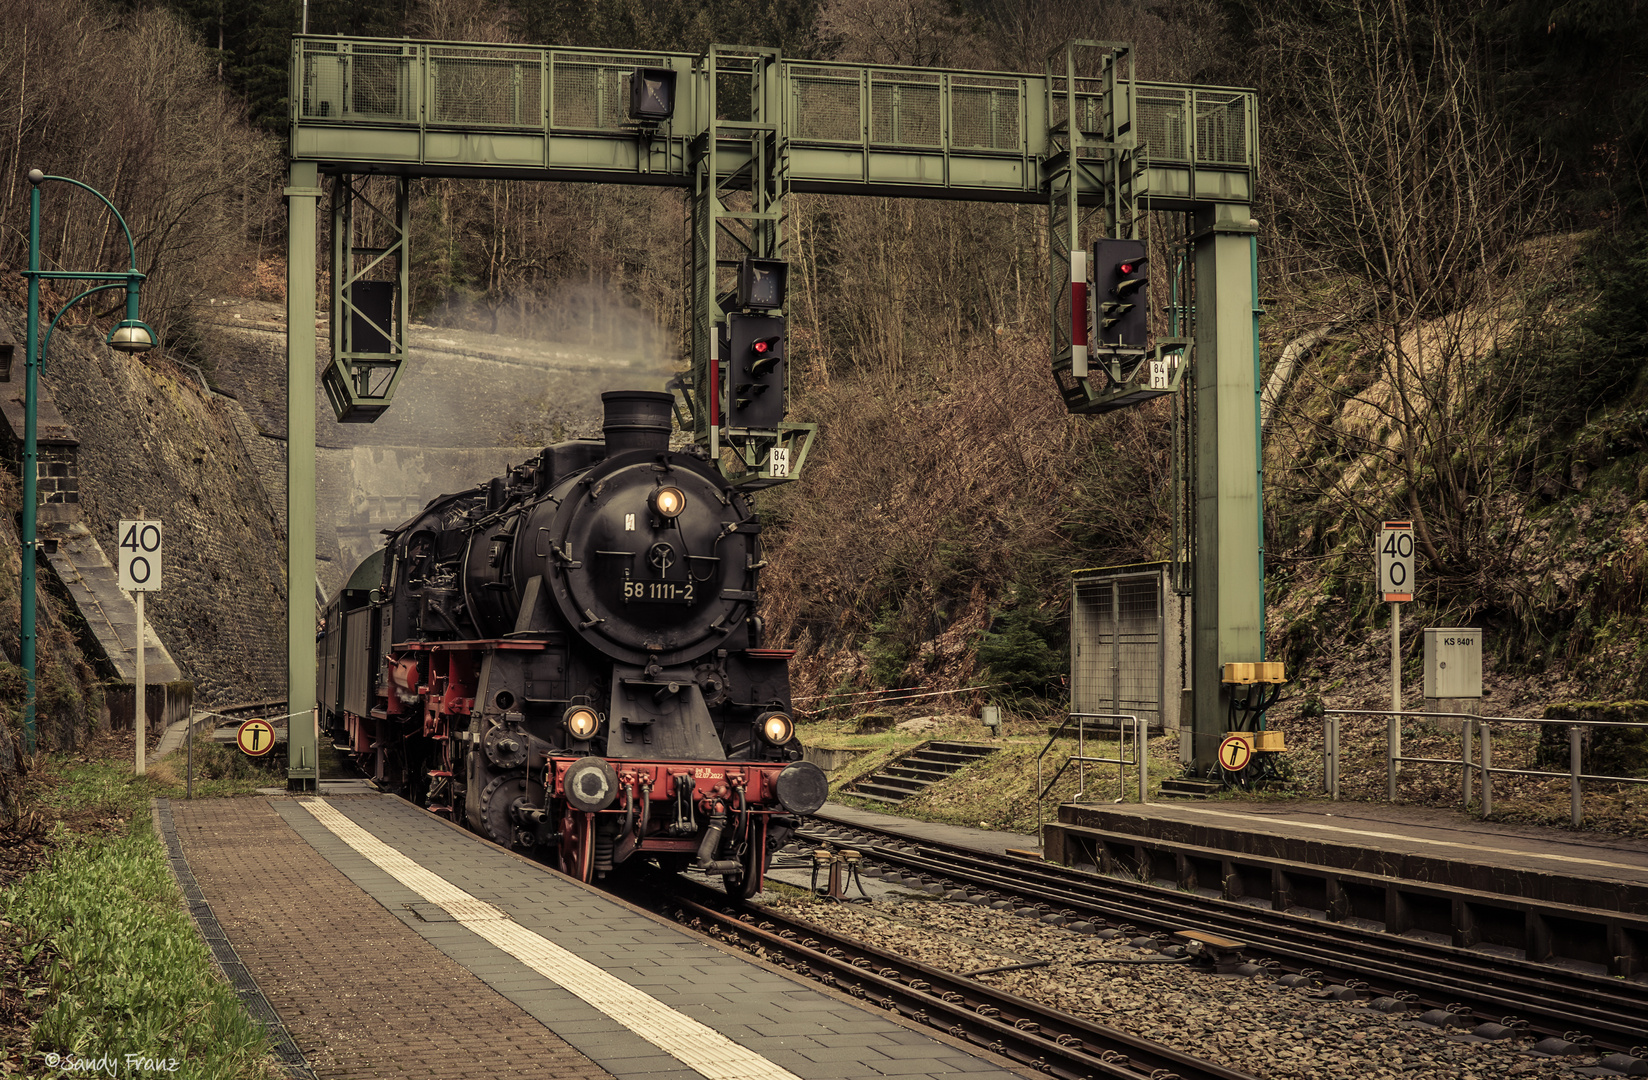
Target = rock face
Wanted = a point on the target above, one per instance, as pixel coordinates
(153, 443)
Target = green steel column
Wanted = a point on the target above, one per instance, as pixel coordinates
(31, 468)
(1227, 572)
(301, 196)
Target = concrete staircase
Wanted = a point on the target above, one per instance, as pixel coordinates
(1185, 787)
(916, 771)
(109, 611)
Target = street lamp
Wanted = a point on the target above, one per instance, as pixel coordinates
(131, 335)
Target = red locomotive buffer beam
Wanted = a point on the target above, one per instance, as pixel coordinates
(687, 810)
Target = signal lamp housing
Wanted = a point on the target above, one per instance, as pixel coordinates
(652, 95)
(1121, 293)
(761, 283)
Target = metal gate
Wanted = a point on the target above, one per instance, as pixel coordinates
(1119, 643)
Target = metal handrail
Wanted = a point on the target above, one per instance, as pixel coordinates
(1484, 767)
(1140, 757)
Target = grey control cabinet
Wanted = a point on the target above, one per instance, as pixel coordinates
(1453, 662)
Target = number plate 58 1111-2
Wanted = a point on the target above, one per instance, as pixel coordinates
(659, 592)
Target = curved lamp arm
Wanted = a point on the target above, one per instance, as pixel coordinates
(45, 342)
(131, 248)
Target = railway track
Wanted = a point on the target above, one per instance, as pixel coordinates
(1552, 1001)
(248, 710)
(1046, 1040)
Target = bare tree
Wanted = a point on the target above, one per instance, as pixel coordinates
(1397, 169)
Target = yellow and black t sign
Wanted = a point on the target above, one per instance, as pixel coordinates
(1235, 752)
(255, 738)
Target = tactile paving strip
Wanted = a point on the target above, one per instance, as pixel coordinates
(693, 1044)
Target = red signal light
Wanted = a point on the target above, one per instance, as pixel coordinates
(1126, 267)
(761, 346)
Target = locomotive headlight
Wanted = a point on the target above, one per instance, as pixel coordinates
(669, 501)
(581, 721)
(777, 728)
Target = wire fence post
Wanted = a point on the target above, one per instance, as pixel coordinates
(1334, 794)
(1141, 729)
(1573, 772)
(1330, 756)
(1465, 766)
(1327, 754)
(1487, 771)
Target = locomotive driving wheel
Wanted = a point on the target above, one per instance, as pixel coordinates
(577, 848)
(500, 802)
(747, 883)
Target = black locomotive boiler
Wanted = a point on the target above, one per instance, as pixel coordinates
(567, 660)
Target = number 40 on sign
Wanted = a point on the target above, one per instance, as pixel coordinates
(1396, 561)
(139, 544)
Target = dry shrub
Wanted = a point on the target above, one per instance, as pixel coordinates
(936, 497)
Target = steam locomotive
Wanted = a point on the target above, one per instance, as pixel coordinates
(567, 660)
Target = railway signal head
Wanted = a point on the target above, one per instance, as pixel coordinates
(1122, 284)
(755, 370)
(652, 95)
(761, 283)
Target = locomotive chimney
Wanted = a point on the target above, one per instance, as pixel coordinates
(636, 420)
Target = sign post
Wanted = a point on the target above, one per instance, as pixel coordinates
(139, 544)
(1395, 550)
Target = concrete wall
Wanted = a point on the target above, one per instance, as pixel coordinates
(467, 407)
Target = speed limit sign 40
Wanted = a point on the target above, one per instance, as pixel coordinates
(1396, 560)
(139, 545)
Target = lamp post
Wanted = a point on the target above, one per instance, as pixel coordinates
(130, 335)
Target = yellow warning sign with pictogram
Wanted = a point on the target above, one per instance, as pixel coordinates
(257, 737)
(1236, 751)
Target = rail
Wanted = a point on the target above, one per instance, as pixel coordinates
(1139, 758)
(1477, 764)
(1554, 975)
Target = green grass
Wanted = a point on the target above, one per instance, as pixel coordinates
(997, 792)
(102, 788)
(128, 974)
(125, 971)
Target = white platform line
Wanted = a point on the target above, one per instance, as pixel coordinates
(692, 1043)
(1422, 840)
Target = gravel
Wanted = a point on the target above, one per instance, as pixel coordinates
(1252, 1024)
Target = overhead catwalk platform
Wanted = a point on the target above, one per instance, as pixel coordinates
(420, 108)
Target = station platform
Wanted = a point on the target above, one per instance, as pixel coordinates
(391, 943)
(1548, 893)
